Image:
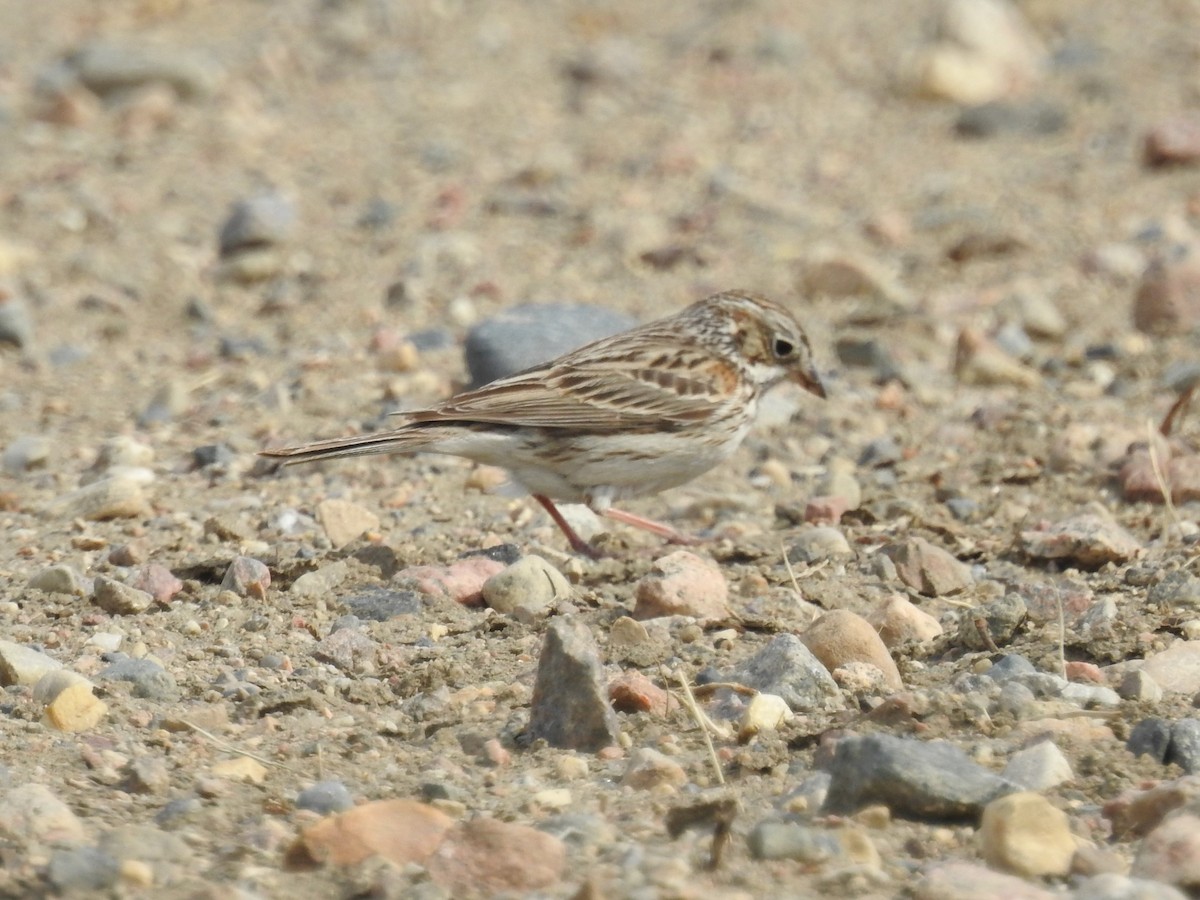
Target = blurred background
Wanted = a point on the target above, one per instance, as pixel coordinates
(210, 208)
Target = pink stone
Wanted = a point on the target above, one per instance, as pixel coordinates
(1085, 671)
(682, 584)
(1173, 141)
(159, 582)
(632, 691)
(898, 620)
(486, 857)
(461, 581)
(826, 510)
(1171, 853)
(400, 831)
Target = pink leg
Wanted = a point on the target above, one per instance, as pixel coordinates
(578, 544)
(664, 531)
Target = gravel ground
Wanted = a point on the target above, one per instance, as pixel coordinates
(226, 226)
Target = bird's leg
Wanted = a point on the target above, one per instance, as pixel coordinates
(664, 531)
(578, 544)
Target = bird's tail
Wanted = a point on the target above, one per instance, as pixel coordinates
(397, 441)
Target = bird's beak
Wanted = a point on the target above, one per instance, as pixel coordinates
(810, 380)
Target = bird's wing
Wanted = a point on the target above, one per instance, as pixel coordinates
(651, 381)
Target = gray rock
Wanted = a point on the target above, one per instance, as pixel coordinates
(1016, 699)
(350, 649)
(176, 811)
(247, 577)
(257, 222)
(810, 794)
(29, 451)
(1002, 618)
(1138, 685)
(880, 453)
(107, 67)
(120, 599)
(1113, 886)
(791, 840)
(527, 587)
(318, 584)
(818, 543)
(1034, 118)
(1010, 666)
(325, 797)
(532, 333)
(381, 604)
(924, 780)
(1150, 737)
(1090, 696)
(150, 680)
(788, 668)
(1039, 768)
(23, 665)
(570, 708)
(59, 579)
(1043, 684)
(77, 869)
(148, 775)
(16, 321)
(1179, 591)
(1185, 745)
(929, 569)
(870, 353)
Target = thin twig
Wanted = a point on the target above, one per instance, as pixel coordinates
(1160, 478)
(233, 748)
(690, 702)
(1062, 637)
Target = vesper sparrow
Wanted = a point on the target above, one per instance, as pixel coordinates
(625, 416)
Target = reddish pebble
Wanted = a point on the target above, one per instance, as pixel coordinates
(496, 753)
(159, 582)
(1173, 141)
(826, 510)
(461, 581)
(632, 692)
(1084, 671)
(682, 584)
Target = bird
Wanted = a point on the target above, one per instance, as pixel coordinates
(625, 416)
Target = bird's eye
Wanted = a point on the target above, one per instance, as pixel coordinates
(784, 348)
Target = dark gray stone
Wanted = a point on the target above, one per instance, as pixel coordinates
(150, 680)
(881, 452)
(570, 707)
(82, 869)
(1150, 737)
(1002, 617)
(325, 797)
(1178, 591)
(989, 119)
(533, 333)
(176, 811)
(501, 553)
(787, 668)
(212, 455)
(1185, 745)
(918, 779)
(381, 604)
